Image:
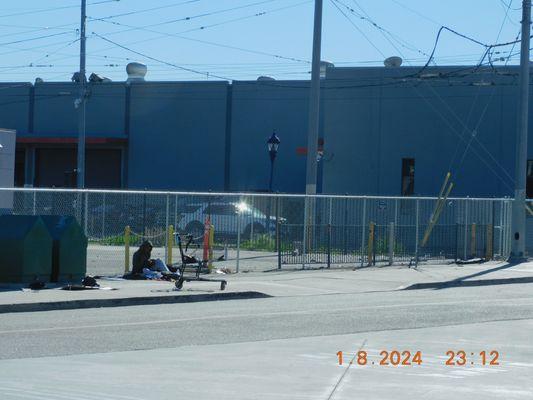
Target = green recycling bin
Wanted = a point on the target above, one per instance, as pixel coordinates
(69, 252)
(25, 249)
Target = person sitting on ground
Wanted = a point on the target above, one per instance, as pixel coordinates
(143, 263)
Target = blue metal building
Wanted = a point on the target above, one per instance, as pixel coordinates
(384, 131)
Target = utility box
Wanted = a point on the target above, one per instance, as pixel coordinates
(69, 251)
(25, 249)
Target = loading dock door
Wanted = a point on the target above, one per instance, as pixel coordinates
(54, 168)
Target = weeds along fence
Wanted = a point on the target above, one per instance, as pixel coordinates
(263, 231)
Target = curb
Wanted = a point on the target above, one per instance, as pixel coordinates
(127, 301)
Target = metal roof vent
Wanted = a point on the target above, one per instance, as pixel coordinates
(393, 62)
(136, 71)
(324, 65)
(265, 78)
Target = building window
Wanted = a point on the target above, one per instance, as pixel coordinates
(408, 176)
(529, 181)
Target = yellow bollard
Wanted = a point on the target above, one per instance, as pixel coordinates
(489, 254)
(210, 251)
(371, 229)
(473, 241)
(127, 232)
(170, 244)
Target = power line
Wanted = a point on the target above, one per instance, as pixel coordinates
(54, 9)
(160, 61)
(367, 18)
(242, 49)
(357, 28)
(146, 10)
(36, 38)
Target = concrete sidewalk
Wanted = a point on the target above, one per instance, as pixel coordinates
(118, 292)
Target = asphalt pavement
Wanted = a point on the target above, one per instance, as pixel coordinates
(285, 346)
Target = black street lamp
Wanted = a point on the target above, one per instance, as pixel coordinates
(273, 144)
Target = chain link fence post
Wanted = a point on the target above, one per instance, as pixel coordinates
(363, 233)
(465, 233)
(239, 216)
(86, 213)
(167, 235)
(391, 243)
(417, 227)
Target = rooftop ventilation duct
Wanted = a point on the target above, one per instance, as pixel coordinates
(324, 65)
(393, 62)
(136, 72)
(95, 78)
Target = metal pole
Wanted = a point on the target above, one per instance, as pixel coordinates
(329, 231)
(103, 216)
(271, 174)
(238, 241)
(519, 203)
(501, 229)
(313, 125)
(363, 233)
(314, 104)
(86, 212)
(391, 243)
(416, 230)
(144, 214)
(465, 233)
(80, 102)
(167, 237)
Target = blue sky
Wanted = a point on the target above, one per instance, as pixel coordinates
(240, 39)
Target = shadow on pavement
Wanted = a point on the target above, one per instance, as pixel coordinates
(465, 281)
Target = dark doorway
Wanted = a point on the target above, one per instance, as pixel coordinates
(529, 181)
(408, 176)
(20, 167)
(57, 168)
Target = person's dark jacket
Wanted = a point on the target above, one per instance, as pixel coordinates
(141, 259)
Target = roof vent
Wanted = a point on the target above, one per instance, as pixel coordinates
(324, 65)
(136, 71)
(95, 78)
(393, 62)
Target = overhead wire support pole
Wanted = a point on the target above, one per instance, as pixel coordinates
(313, 127)
(518, 211)
(80, 102)
(314, 104)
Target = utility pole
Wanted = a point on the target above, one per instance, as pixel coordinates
(314, 104)
(312, 135)
(519, 205)
(80, 102)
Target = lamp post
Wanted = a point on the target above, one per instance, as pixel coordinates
(273, 144)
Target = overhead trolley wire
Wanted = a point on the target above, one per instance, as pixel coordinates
(54, 9)
(204, 73)
(146, 10)
(437, 95)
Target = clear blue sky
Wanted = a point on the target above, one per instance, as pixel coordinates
(38, 38)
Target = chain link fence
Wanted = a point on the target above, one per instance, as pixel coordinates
(259, 232)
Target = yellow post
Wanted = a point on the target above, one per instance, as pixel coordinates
(473, 241)
(371, 228)
(170, 244)
(127, 232)
(210, 251)
(489, 254)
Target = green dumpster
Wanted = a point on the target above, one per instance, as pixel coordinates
(25, 249)
(69, 252)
